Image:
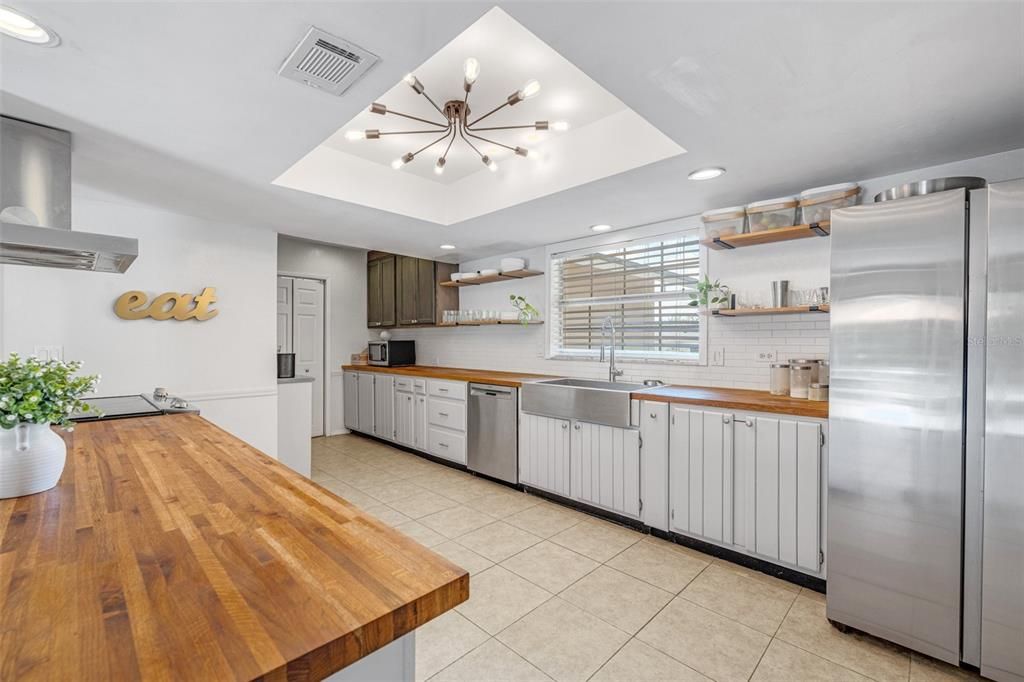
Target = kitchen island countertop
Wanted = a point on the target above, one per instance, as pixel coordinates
(172, 550)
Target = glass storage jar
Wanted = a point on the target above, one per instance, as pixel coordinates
(817, 391)
(800, 379)
(815, 366)
(780, 378)
(823, 372)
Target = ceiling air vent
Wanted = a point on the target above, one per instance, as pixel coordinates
(327, 62)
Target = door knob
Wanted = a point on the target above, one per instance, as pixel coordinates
(748, 422)
(726, 420)
(565, 426)
(577, 427)
(654, 415)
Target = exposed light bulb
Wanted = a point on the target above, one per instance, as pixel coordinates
(471, 69)
(560, 126)
(439, 166)
(706, 173)
(402, 160)
(531, 88)
(489, 162)
(355, 135)
(409, 79)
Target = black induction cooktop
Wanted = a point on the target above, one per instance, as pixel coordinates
(116, 407)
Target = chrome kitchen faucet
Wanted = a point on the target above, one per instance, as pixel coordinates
(608, 329)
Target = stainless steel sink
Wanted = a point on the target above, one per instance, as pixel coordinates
(597, 402)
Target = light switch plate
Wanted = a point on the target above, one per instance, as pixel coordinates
(767, 355)
(718, 356)
(49, 352)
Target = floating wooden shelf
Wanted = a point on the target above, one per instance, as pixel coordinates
(502, 277)
(782, 234)
(486, 324)
(788, 310)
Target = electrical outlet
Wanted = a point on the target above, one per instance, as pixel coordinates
(767, 355)
(45, 353)
(718, 356)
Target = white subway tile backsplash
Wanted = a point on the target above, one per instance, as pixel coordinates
(522, 350)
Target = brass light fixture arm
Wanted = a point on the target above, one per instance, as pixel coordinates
(412, 132)
(477, 137)
(471, 145)
(417, 118)
(501, 106)
(440, 139)
(480, 130)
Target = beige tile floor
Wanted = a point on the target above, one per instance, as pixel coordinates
(556, 594)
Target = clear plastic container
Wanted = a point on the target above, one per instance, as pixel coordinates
(780, 378)
(723, 222)
(771, 214)
(816, 204)
(800, 380)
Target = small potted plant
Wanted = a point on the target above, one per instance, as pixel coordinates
(526, 311)
(34, 395)
(709, 295)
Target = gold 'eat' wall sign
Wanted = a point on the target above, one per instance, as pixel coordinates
(135, 305)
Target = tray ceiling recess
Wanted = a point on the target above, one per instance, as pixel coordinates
(358, 162)
(327, 62)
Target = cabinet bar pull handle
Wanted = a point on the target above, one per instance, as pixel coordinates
(443, 414)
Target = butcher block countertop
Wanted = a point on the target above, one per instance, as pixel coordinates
(735, 399)
(480, 376)
(172, 550)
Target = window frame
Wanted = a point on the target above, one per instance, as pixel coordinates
(662, 230)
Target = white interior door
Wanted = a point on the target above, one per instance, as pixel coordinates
(284, 314)
(308, 342)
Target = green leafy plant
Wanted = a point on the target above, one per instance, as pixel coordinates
(708, 292)
(526, 311)
(37, 392)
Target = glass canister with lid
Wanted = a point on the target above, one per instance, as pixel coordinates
(779, 380)
(815, 366)
(800, 378)
(818, 391)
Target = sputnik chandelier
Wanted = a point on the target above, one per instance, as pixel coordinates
(456, 113)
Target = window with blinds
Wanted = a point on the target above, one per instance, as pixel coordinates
(643, 286)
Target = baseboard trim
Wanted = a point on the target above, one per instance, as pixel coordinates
(635, 524)
(263, 392)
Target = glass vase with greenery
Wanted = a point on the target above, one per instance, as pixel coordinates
(708, 294)
(526, 311)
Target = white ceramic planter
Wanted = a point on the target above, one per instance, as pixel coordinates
(31, 459)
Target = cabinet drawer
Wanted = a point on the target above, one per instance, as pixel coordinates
(447, 444)
(456, 390)
(403, 383)
(447, 413)
(419, 386)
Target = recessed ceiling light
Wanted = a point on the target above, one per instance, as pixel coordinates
(448, 247)
(17, 25)
(600, 228)
(706, 173)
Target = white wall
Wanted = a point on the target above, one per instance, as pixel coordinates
(345, 271)
(805, 263)
(226, 364)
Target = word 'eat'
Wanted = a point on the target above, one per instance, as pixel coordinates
(135, 305)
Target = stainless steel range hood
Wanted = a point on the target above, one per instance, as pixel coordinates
(35, 205)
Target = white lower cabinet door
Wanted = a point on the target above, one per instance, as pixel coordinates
(366, 403)
(605, 466)
(384, 406)
(404, 418)
(654, 426)
(350, 396)
(786, 491)
(701, 473)
(544, 446)
(419, 422)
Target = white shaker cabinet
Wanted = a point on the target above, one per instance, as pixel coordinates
(366, 402)
(544, 445)
(384, 406)
(701, 476)
(654, 481)
(350, 394)
(605, 467)
(405, 410)
(419, 422)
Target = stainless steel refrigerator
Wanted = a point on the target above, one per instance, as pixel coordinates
(926, 416)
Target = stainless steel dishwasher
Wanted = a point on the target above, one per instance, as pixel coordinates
(493, 448)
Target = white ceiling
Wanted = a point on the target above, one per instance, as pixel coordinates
(179, 103)
(606, 136)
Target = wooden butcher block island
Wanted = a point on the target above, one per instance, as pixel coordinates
(172, 550)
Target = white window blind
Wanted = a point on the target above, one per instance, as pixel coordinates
(643, 285)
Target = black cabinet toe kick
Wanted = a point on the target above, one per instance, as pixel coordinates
(768, 568)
